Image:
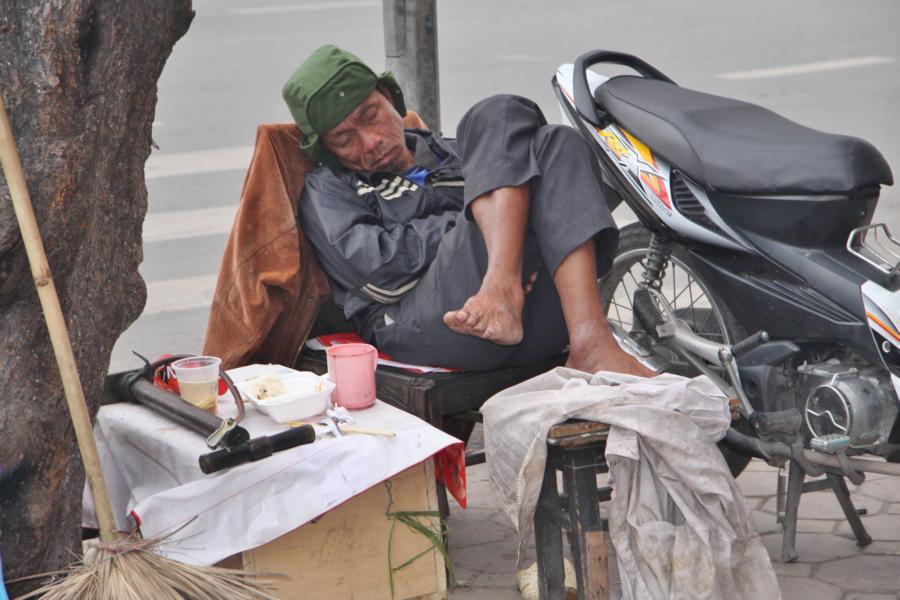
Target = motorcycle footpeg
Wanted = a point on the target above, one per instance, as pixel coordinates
(785, 421)
(769, 451)
(647, 311)
(830, 444)
(746, 345)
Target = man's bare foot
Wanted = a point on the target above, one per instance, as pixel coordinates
(494, 314)
(604, 354)
(619, 363)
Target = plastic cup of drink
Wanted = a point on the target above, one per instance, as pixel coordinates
(198, 380)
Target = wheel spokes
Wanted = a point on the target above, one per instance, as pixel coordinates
(685, 293)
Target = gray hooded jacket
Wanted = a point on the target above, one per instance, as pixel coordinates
(375, 233)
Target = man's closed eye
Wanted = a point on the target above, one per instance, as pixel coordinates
(369, 115)
(341, 141)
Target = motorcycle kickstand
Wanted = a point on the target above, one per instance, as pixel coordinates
(796, 475)
(796, 488)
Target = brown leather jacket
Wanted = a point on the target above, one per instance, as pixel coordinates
(270, 287)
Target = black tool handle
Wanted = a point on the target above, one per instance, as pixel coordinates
(256, 448)
(173, 407)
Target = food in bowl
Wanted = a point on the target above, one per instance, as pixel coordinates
(266, 386)
(303, 394)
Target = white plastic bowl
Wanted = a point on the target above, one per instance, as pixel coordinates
(306, 395)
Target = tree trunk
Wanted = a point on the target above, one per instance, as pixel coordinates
(79, 80)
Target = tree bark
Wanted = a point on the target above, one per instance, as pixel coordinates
(79, 80)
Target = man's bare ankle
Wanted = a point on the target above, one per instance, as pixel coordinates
(501, 281)
(587, 339)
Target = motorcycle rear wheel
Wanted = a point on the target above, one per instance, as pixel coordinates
(688, 295)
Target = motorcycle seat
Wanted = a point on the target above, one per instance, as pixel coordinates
(736, 147)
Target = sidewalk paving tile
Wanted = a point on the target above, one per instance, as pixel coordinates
(764, 522)
(886, 489)
(824, 505)
(815, 526)
(801, 588)
(478, 530)
(759, 465)
(813, 547)
(892, 547)
(758, 483)
(756, 503)
(870, 477)
(883, 528)
(863, 573)
(792, 569)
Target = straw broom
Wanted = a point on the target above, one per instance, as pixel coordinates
(117, 568)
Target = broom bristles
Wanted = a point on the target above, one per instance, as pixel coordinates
(118, 571)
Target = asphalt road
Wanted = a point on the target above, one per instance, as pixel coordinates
(829, 64)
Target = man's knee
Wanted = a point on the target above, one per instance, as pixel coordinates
(494, 112)
(559, 142)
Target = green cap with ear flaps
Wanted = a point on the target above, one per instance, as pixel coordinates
(325, 89)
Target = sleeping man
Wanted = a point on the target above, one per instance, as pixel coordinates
(478, 252)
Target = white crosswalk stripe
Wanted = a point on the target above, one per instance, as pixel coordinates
(184, 293)
(202, 161)
(183, 224)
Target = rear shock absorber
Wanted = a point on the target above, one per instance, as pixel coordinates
(658, 254)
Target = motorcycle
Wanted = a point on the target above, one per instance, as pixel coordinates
(755, 262)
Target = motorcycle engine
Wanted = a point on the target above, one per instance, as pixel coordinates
(855, 401)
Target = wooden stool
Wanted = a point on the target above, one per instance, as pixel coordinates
(577, 449)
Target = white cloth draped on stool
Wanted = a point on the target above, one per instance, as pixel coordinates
(678, 520)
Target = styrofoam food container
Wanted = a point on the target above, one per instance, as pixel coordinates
(306, 395)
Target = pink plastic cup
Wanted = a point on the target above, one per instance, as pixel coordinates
(352, 369)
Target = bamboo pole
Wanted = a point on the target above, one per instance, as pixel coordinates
(56, 324)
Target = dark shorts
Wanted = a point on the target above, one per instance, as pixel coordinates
(504, 141)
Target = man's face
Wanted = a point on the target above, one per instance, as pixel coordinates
(371, 137)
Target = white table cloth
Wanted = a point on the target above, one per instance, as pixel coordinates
(153, 476)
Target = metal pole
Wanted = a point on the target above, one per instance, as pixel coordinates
(410, 48)
(857, 464)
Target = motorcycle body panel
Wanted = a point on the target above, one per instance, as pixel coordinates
(769, 236)
(882, 307)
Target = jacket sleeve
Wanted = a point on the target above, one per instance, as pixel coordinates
(357, 250)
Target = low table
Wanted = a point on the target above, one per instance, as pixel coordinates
(269, 512)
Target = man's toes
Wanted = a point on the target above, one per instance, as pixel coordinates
(463, 321)
(473, 320)
(452, 319)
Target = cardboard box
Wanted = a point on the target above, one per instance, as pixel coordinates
(344, 554)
